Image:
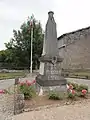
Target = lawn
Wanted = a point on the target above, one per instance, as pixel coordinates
(85, 74)
(80, 74)
(12, 75)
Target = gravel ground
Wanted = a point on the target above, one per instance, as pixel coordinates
(78, 111)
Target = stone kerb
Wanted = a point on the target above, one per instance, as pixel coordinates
(19, 103)
(6, 107)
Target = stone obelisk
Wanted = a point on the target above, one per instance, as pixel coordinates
(50, 61)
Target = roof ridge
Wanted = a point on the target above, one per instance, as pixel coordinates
(72, 32)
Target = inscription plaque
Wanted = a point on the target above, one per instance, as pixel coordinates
(53, 72)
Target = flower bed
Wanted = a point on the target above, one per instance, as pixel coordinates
(27, 88)
(75, 90)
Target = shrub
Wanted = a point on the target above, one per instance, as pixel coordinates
(71, 95)
(55, 95)
(75, 85)
(82, 87)
(27, 89)
(83, 93)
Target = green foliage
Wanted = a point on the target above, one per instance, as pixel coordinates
(71, 96)
(19, 47)
(80, 73)
(75, 86)
(80, 90)
(81, 87)
(28, 91)
(78, 87)
(80, 94)
(56, 95)
(7, 91)
(11, 75)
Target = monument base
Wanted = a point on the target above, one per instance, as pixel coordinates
(43, 80)
(41, 90)
(45, 85)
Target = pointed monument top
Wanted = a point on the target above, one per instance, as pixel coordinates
(50, 13)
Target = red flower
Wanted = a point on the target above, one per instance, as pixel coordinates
(2, 91)
(84, 91)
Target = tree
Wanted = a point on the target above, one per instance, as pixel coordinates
(20, 45)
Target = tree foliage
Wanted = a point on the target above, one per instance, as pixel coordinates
(19, 47)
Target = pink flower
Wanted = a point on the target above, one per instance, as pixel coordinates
(84, 91)
(34, 81)
(2, 91)
(28, 83)
(73, 91)
(22, 83)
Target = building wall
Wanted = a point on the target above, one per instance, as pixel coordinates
(76, 53)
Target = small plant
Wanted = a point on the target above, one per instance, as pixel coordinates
(7, 91)
(27, 89)
(69, 87)
(55, 95)
(75, 86)
(2, 91)
(82, 87)
(72, 95)
(83, 93)
(74, 90)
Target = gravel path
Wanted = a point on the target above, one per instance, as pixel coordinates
(79, 111)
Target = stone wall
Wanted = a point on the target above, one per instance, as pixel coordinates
(75, 49)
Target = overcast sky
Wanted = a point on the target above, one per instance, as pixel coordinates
(69, 15)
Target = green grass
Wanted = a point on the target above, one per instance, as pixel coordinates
(80, 74)
(11, 75)
(85, 74)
